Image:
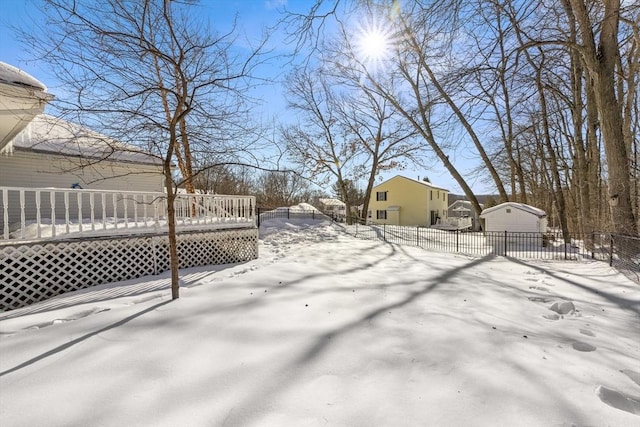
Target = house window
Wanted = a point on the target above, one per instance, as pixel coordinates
(381, 214)
(368, 214)
(431, 195)
(508, 210)
(381, 196)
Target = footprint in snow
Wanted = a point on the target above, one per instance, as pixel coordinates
(541, 299)
(582, 346)
(587, 332)
(75, 316)
(618, 400)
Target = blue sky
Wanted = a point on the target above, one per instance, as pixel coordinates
(253, 16)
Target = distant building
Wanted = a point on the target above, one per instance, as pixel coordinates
(335, 208)
(460, 209)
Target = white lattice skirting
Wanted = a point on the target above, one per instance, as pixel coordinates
(32, 272)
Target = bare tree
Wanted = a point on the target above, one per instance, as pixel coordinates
(385, 137)
(224, 179)
(275, 189)
(320, 145)
(151, 74)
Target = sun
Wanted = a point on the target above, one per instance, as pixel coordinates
(374, 43)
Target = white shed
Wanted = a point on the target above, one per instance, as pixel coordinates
(514, 217)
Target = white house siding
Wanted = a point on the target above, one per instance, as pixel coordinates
(46, 170)
(517, 220)
(31, 169)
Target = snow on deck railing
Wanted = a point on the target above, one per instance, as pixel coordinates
(44, 213)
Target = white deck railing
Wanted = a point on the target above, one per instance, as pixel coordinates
(46, 213)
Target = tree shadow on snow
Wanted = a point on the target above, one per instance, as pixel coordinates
(82, 338)
(287, 376)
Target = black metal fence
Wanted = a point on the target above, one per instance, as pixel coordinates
(621, 252)
(264, 214)
(624, 254)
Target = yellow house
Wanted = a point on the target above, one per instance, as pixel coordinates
(406, 201)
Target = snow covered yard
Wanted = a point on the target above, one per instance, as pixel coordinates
(326, 329)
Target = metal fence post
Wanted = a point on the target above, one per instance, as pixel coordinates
(418, 235)
(593, 244)
(505, 242)
(457, 240)
(258, 216)
(611, 251)
(384, 232)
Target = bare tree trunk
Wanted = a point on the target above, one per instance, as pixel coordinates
(370, 184)
(423, 128)
(171, 220)
(583, 178)
(556, 183)
(601, 60)
(631, 128)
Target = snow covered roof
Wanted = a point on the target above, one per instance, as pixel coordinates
(300, 207)
(15, 76)
(331, 202)
(22, 98)
(55, 136)
(304, 207)
(521, 206)
(463, 203)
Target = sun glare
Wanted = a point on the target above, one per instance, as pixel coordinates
(373, 44)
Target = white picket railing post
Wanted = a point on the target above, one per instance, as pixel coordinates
(38, 215)
(23, 221)
(93, 213)
(67, 224)
(79, 196)
(104, 211)
(52, 204)
(114, 204)
(5, 209)
(126, 213)
(156, 214)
